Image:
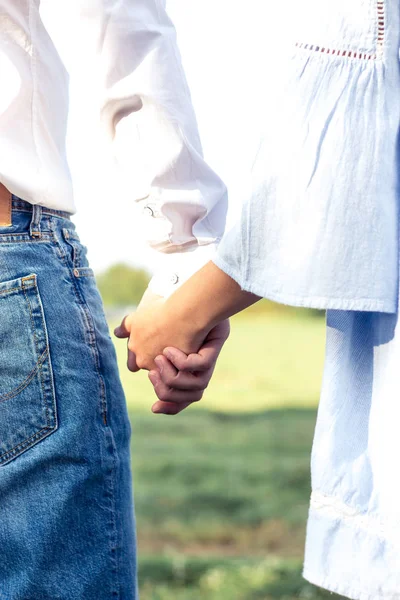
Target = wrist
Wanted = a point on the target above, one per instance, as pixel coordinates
(193, 318)
(207, 298)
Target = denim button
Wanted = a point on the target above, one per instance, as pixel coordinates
(76, 272)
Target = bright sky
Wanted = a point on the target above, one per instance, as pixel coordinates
(231, 58)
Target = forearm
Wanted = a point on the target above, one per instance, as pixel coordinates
(207, 298)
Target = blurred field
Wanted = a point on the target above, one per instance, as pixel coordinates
(222, 490)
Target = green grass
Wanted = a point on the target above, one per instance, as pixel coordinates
(222, 479)
(221, 504)
(271, 360)
(222, 490)
(197, 579)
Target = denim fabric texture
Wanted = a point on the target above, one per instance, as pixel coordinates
(67, 526)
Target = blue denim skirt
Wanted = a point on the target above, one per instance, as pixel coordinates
(67, 528)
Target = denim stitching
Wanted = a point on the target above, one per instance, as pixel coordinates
(26, 207)
(88, 322)
(25, 443)
(86, 273)
(31, 317)
(57, 245)
(45, 354)
(10, 290)
(19, 239)
(37, 348)
(92, 343)
(25, 383)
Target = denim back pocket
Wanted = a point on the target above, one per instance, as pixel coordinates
(27, 398)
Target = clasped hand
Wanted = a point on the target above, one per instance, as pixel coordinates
(180, 358)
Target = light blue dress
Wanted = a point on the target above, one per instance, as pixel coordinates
(321, 230)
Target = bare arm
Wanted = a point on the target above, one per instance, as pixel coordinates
(207, 298)
(186, 318)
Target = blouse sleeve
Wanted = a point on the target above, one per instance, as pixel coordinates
(320, 228)
(147, 115)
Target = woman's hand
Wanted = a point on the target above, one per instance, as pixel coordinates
(188, 319)
(150, 330)
(182, 380)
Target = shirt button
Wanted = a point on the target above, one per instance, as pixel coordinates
(148, 211)
(174, 279)
(76, 272)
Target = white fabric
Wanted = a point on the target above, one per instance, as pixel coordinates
(320, 228)
(141, 88)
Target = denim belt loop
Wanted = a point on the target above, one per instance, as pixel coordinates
(34, 229)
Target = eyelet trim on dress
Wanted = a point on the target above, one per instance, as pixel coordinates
(380, 41)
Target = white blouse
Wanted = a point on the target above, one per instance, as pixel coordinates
(141, 83)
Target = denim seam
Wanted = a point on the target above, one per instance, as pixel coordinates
(22, 241)
(57, 244)
(25, 443)
(31, 317)
(114, 541)
(95, 353)
(88, 274)
(108, 432)
(37, 351)
(88, 322)
(92, 343)
(75, 252)
(14, 289)
(45, 211)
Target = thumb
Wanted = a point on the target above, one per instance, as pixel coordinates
(124, 330)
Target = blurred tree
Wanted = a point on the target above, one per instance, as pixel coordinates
(122, 285)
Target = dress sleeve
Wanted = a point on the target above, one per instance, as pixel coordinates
(320, 227)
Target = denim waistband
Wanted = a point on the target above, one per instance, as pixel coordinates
(22, 205)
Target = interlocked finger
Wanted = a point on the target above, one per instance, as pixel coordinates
(169, 408)
(166, 393)
(182, 380)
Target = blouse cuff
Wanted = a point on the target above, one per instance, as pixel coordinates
(174, 269)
